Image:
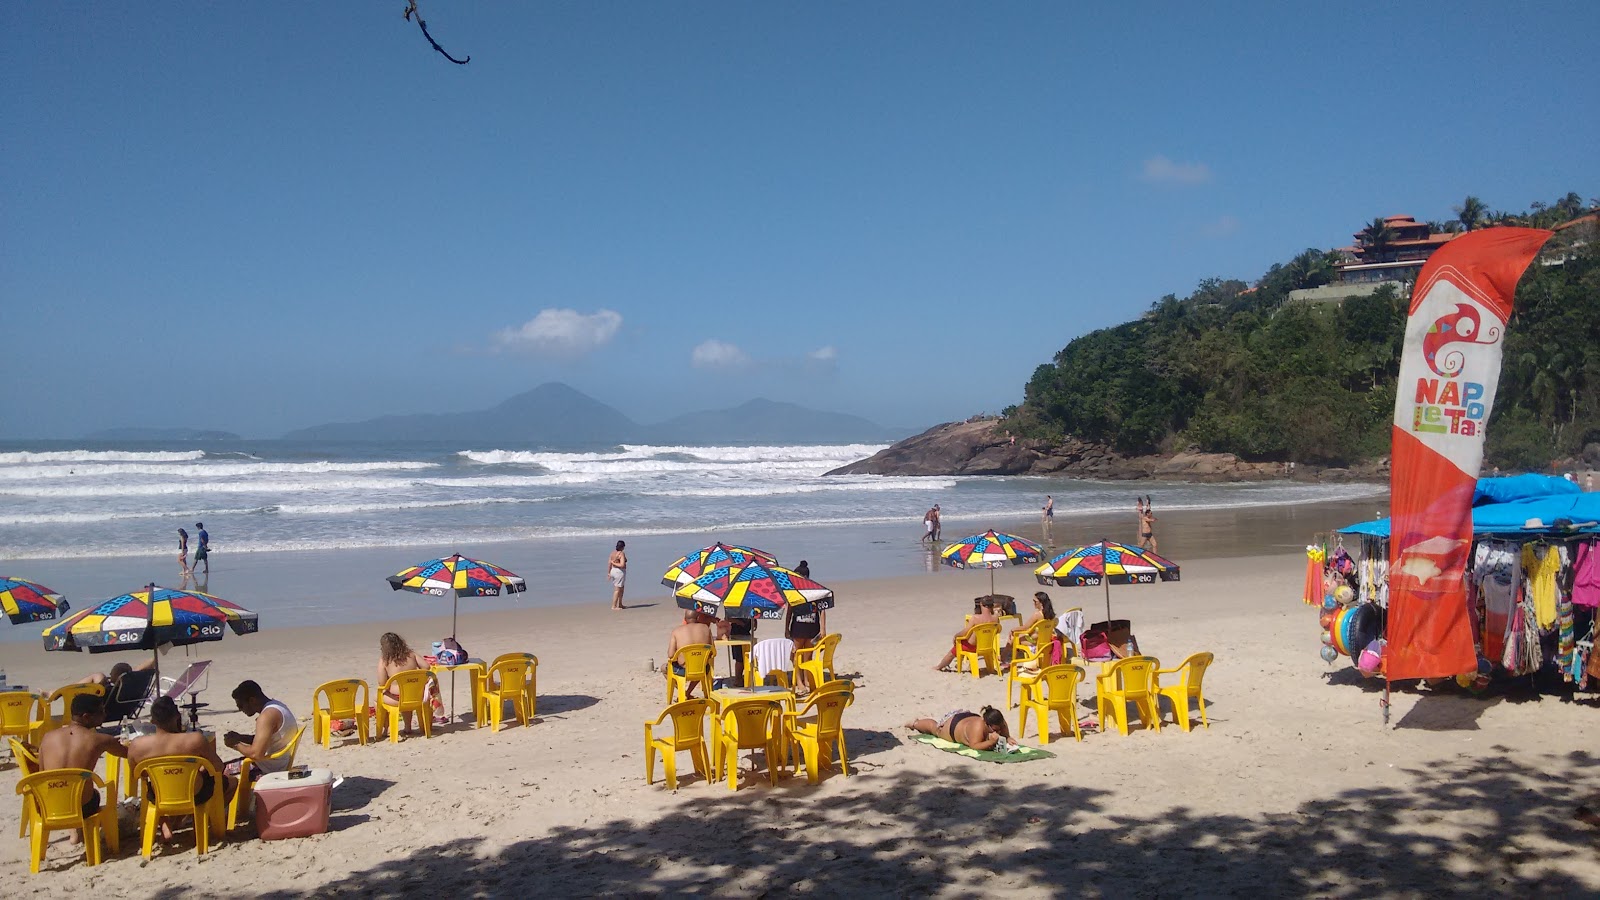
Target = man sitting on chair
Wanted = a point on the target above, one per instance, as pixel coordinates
(985, 615)
(171, 740)
(275, 727)
(694, 630)
(77, 745)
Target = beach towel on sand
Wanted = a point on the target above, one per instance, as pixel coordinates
(995, 756)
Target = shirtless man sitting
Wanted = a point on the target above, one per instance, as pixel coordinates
(170, 739)
(978, 730)
(77, 745)
(984, 615)
(696, 629)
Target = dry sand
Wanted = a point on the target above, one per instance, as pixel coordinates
(1296, 788)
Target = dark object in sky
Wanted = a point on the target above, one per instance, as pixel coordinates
(412, 8)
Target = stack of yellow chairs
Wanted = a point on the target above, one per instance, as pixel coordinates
(52, 800)
(167, 785)
(1187, 690)
(1131, 680)
(985, 640)
(346, 698)
(688, 734)
(510, 680)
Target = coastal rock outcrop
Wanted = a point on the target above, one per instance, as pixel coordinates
(982, 447)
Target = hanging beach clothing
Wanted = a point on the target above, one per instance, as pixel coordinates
(1542, 563)
(1586, 575)
(1499, 572)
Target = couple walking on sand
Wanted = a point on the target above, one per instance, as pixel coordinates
(202, 551)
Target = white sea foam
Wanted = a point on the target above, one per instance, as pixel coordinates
(644, 457)
(47, 456)
(203, 469)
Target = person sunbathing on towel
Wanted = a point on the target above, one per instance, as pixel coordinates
(978, 730)
(963, 638)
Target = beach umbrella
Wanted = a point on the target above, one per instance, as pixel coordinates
(148, 618)
(27, 601)
(698, 562)
(458, 574)
(990, 550)
(755, 590)
(1106, 563)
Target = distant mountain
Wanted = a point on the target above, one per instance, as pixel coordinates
(549, 414)
(160, 434)
(558, 415)
(768, 422)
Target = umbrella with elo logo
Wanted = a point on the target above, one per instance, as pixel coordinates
(148, 618)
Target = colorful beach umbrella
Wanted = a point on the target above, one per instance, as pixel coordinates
(461, 575)
(1106, 563)
(990, 550)
(698, 562)
(147, 618)
(755, 590)
(27, 601)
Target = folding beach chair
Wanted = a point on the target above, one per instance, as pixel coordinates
(192, 680)
(134, 691)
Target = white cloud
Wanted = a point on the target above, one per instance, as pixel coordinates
(1160, 170)
(824, 355)
(560, 332)
(1220, 228)
(715, 354)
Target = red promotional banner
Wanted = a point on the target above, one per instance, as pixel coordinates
(1449, 369)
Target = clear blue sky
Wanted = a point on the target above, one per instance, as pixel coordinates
(262, 216)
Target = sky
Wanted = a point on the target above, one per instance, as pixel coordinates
(261, 217)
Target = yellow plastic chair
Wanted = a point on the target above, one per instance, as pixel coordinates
(1130, 680)
(510, 680)
(688, 733)
(1187, 690)
(347, 698)
(412, 688)
(52, 800)
(750, 724)
(816, 661)
(1037, 651)
(244, 792)
(20, 713)
(1039, 633)
(1054, 691)
(27, 764)
(985, 639)
(818, 729)
(166, 787)
(696, 660)
(48, 720)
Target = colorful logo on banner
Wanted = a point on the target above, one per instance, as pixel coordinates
(1445, 402)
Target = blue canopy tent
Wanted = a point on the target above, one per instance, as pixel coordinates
(1519, 505)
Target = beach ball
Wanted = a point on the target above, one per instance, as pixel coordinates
(1327, 637)
(1328, 601)
(1326, 620)
(1344, 594)
(1371, 659)
(1329, 655)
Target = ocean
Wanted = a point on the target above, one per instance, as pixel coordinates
(305, 533)
(101, 500)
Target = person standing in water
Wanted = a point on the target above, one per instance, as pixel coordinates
(1049, 519)
(1147, 523)
(617, 571)
(203, 551)
(183, 551)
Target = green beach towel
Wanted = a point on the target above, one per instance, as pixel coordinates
(994, 756)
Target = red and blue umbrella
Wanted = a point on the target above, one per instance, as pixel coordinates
(698, 562)
(1106, 563)
(464, 576)
(146, 619)
(27, 601)
(990, 550)
(755, 590)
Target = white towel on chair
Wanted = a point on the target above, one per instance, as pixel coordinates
(774, 653)
(1070, 624)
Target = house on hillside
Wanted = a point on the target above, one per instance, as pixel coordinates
(1397, 259)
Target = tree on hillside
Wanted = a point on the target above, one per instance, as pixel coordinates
(1470, 212)
(1571, 204)
(1376, 238)
(1312, 268)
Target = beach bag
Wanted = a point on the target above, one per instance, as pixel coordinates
(450, 652)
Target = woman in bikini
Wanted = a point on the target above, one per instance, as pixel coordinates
(1147, 524)
(396, 656)
(978, 730)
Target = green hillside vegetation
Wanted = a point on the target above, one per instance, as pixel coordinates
(1243, 369)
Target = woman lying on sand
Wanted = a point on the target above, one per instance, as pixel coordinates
(980, 731)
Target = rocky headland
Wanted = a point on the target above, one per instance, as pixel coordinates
(982, 448)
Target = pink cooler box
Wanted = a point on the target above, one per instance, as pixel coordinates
(293, 807)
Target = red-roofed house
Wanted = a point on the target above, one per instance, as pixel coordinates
(1399, 260)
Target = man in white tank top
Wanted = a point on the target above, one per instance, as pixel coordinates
(275, 727)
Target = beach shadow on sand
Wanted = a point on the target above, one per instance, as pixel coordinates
(1458, 827)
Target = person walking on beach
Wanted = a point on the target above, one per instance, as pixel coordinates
(617, 571)
(1049, 518)
(1147, 523)
(202, 552)
(927, 525)
(183, 551)
(936, 524)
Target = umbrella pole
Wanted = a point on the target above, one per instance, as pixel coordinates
(1105, 580)
(455, 609)
(991, 582)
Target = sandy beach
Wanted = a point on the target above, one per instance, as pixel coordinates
(1297, 788)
